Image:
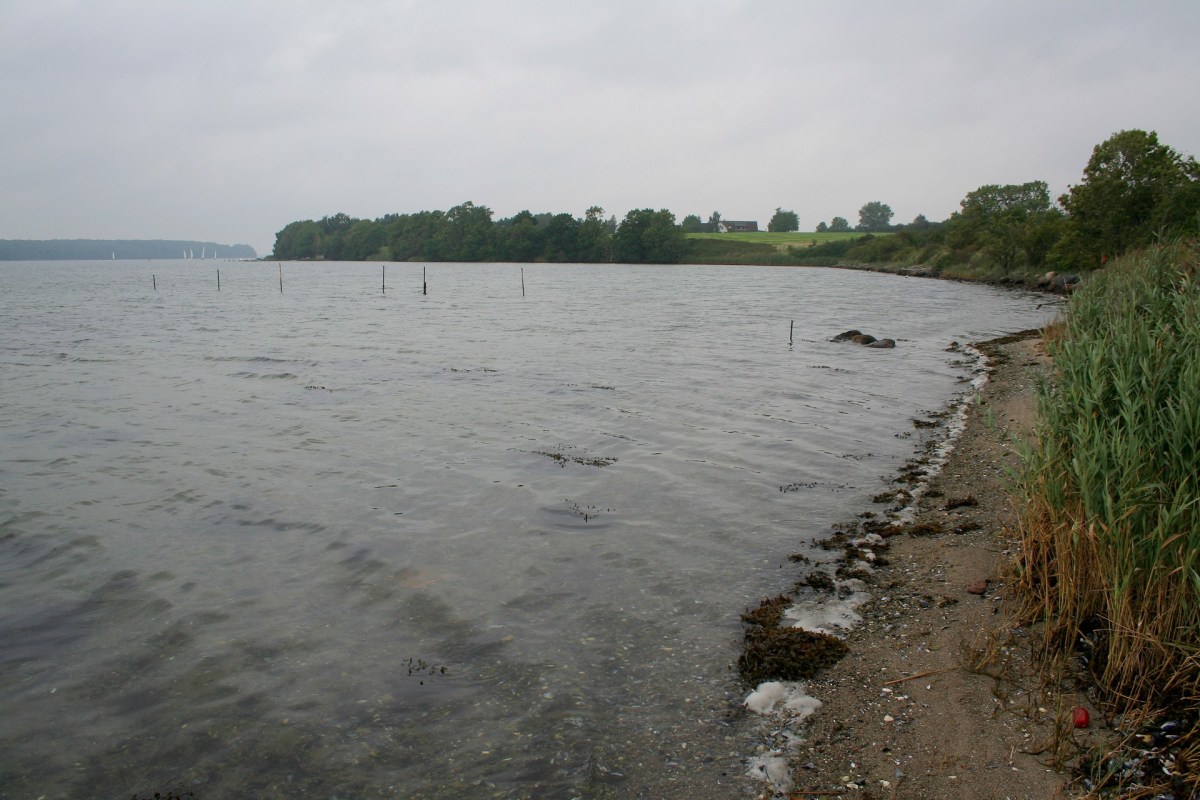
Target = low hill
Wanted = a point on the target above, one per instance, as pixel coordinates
(92, 249)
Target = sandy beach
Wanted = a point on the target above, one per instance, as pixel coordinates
(939, 694)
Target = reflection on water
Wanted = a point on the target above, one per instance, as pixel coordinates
(336, 542)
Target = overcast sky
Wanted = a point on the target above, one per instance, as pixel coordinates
(224, 120)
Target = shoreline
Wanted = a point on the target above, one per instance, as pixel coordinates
(939, 694)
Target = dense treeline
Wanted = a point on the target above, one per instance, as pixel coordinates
(91, 249)
(1134, 191)
(468, 233)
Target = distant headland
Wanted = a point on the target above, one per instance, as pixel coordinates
(93, 249)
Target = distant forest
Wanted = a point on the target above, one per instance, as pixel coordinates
(91, 249)
(468, 233)
(1135, 191)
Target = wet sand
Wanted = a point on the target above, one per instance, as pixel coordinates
(939, 696)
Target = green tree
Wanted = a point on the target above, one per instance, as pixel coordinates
(822, 227)
(301, 239)
(419, 237)
(839, 225)
(1133, 189)
(523, 240)
(285, 240)
(309, 242)
(646, 236)
(468, 235)
(874, 217)
(714, 221)
(561, 239)
(366, 238)
(1008, 223)
(594, 239)
(692, 224)
(333, 235)
(783, 221)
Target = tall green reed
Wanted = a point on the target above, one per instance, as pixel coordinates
(1111, 534)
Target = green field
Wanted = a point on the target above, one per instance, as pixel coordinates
(778, 239)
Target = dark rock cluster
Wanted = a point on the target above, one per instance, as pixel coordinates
(858, 337)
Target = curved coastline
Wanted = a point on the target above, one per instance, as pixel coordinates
(918, 594)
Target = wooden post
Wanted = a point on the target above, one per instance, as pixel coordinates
(383, 286)
(154, 282)
(424, 284)
(791, 330)
(218, 280)
(281, 278)
(522, 281)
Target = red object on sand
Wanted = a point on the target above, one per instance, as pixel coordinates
(1081, 716)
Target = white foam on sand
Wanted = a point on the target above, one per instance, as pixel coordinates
(954, 428)
(784, 702)
(773, 768)
(833, 614)
(788, 697)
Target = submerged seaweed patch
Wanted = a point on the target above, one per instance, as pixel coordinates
(170, 795)
(562, 459)
(584, 512)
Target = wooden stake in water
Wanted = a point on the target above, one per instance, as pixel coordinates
(281, 278)
(791, 330)
(154, 282)
(383, 286)
(522, 281)
(218, 280)
(424, 285)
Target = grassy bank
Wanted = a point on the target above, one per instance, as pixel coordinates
(778, 240)
(879, 252)
(901, 252)
(778, 249)
(1110, 560)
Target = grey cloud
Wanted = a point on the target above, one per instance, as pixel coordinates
(226, 120)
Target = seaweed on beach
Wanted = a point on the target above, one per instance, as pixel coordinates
(769, 612)
(920, 528)
(819, 580)
(776, 652)
(961, 502)
(787, 654)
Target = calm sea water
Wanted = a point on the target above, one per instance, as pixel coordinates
(337, 542)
